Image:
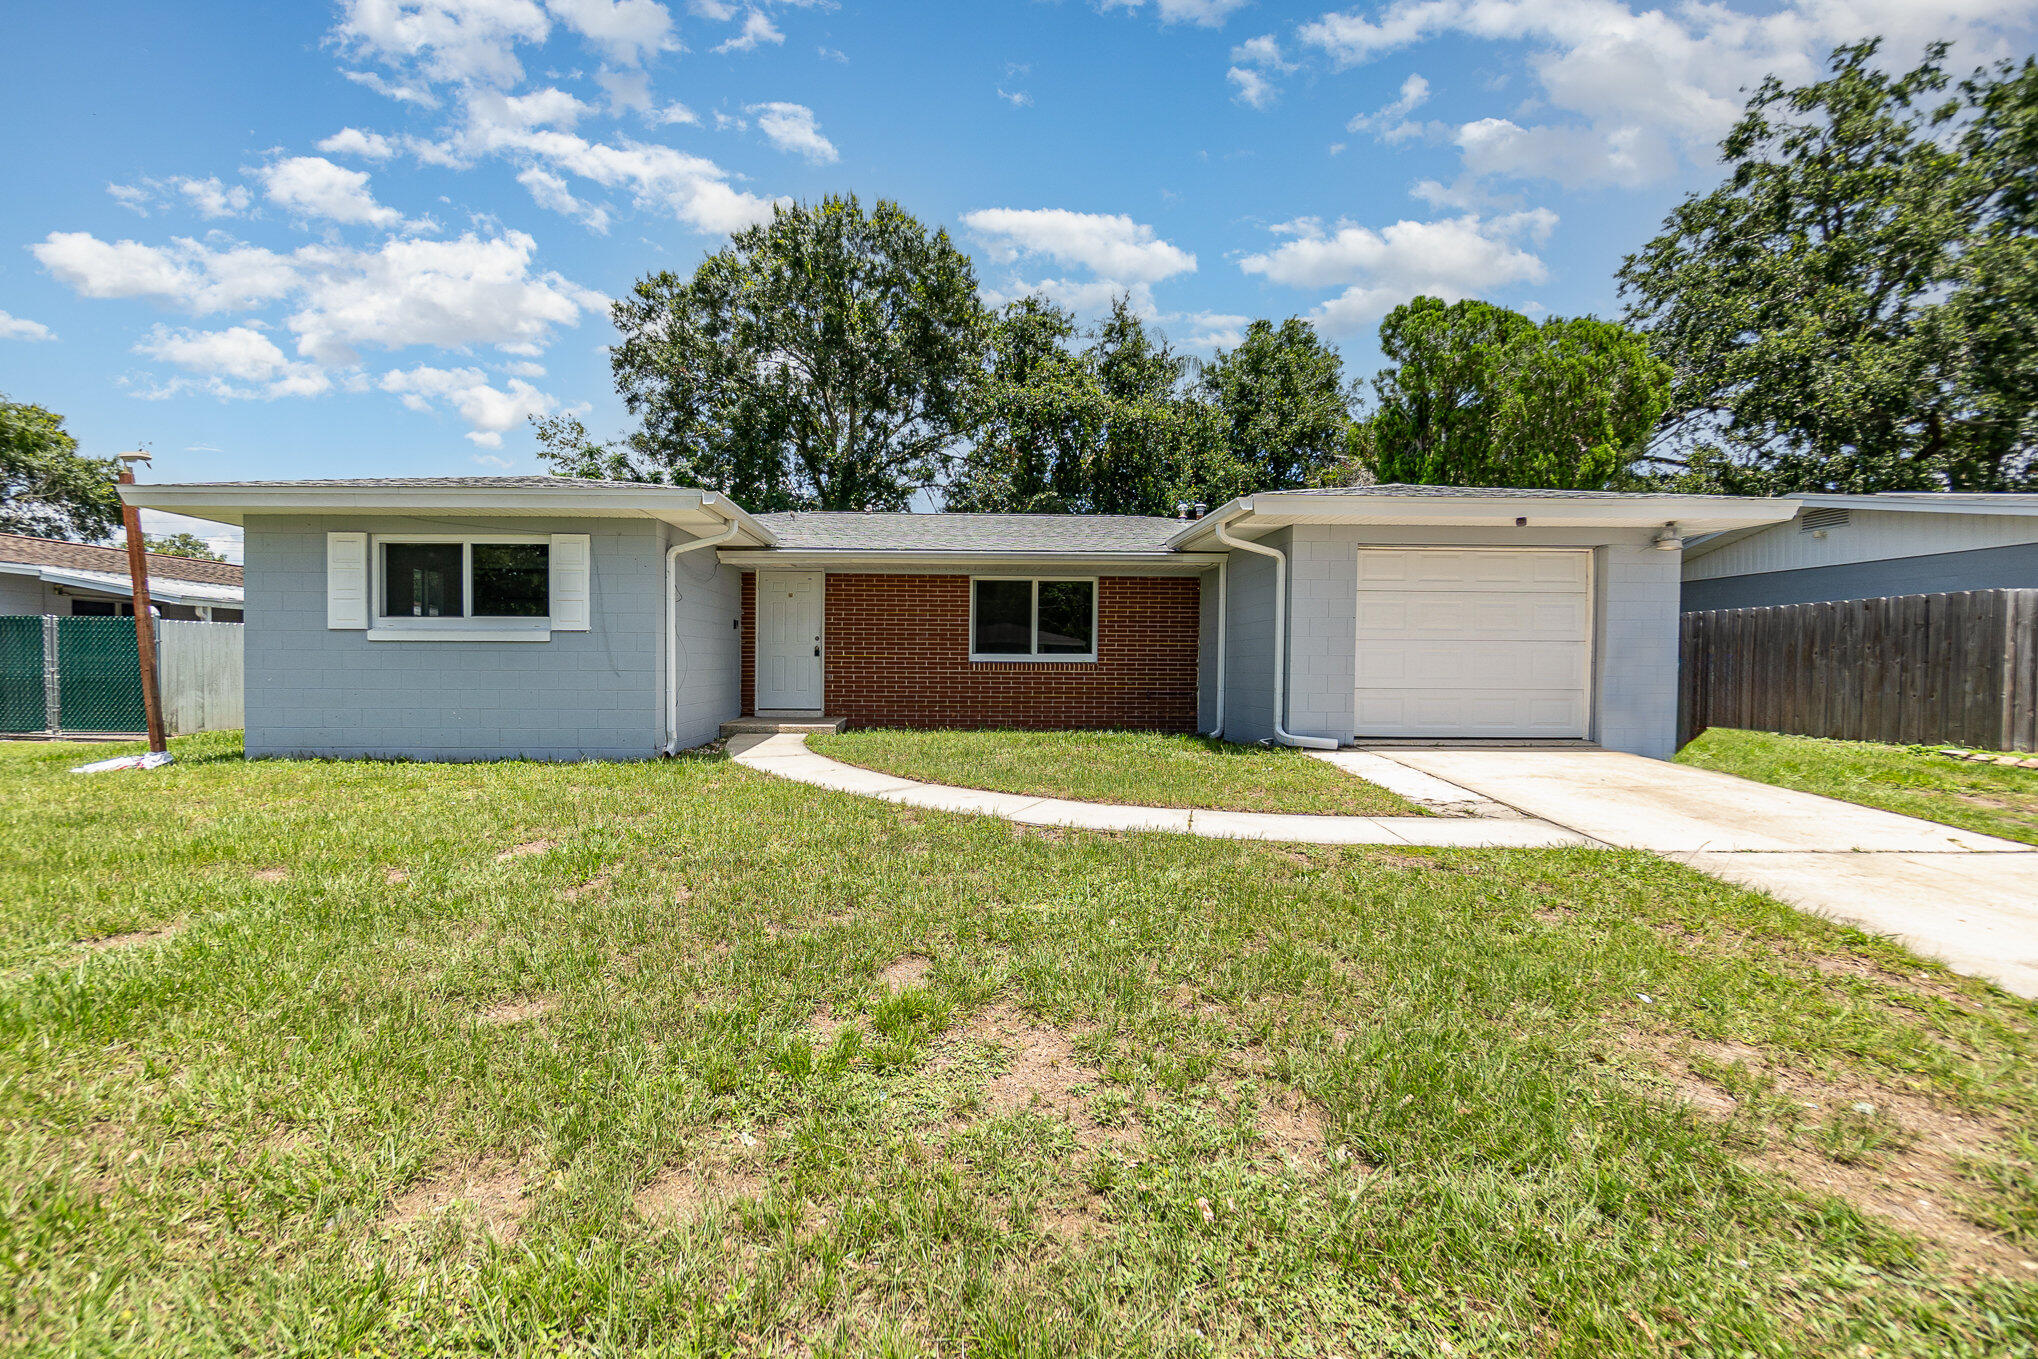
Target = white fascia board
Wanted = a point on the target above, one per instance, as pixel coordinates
(1929, 502)
(167, 589)
(681, 506)
(965, 563)
(1692, 514)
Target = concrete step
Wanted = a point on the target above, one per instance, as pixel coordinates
(773, 726)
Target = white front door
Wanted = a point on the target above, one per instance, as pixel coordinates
(789, 639)
(1474, 642)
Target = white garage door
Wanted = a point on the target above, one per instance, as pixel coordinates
(1473, 642)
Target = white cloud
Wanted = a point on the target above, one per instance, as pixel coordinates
(1253, 87)
(1452, 258)
(1018, 99)
(352, 141)
(134, 197)
(1414, 94)
(833, 54)
(490, 410)
(312, 186)
(238, 354)
(21, 328)
(1205, 13)
(630, 92)
(491, 460)
(625, 31)
(691, 188)
(470, 291)
(719, 10)
(791, 127)
(402, 91)
(1631, 90)
(1113, 246)
(449, 40)
(184, 274)
(551, 192)
(473, 290)
(1265, 51)
(214, 199)
(757, 28)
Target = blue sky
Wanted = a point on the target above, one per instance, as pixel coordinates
(372, 237)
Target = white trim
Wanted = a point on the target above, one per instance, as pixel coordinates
(569, 581)
(465, 626)
(349, 587)
(1036, 656)
(1697, 514)
(901, 561)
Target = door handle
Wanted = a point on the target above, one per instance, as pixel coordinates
(817, 651)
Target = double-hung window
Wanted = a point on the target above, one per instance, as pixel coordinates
(1032, 620)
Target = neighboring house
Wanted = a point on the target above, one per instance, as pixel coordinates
(46, 575)
(1867, 546)
(468, 618)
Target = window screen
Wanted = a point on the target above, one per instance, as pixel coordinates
(422, 580)
(510, 580)
(1004, 618)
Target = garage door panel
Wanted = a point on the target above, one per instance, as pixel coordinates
(1469, 614)
(1454, 642)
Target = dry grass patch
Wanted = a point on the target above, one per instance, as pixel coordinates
(270, 874)
(395, 876)
(131, 939)
(905, 973)
(491, 1198)
(1294, 1127)
(525, 850)
(725, 1173)
(1892, 1154)
(517, 1010)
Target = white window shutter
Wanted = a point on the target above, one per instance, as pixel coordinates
(571, 582)
(346, 580)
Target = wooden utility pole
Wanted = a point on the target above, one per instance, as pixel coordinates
(144, 620)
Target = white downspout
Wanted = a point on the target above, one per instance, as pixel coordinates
(1281, 732)
(672, 556)
(1216, 731)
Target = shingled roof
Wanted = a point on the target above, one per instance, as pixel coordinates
(849, 531)
(112, 560)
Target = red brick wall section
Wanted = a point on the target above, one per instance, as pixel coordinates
(898, 656)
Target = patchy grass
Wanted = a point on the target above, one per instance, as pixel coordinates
(740, 1067)
(1126, 767)
(1914, 780)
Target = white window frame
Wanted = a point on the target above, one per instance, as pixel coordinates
(1036, 656)
(463, 628)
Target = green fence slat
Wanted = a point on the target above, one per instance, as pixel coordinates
(22, 706)
(99, 676)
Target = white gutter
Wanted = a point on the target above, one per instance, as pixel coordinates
(1281, 732)
(1216, 732)
(672, 556)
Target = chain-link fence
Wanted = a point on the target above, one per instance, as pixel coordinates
(69, 675)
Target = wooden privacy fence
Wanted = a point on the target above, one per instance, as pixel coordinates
(1907, 669)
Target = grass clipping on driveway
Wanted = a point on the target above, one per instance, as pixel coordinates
(1990, 799)
(736, 1066)
(1142, 769)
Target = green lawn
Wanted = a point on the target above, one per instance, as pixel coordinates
(1915, 780)
(1137, 768)
(678, 1059)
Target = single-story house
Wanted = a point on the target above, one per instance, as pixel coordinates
(46, 575)
(1868, 546)
(471, 618)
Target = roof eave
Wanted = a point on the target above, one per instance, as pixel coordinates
(962, 562)
(1693, 514)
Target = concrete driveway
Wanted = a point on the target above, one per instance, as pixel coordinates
(1971, 900)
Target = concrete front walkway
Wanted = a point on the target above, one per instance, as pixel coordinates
(1971, 900)
(788, 757)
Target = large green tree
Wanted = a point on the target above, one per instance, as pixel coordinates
(1854, 308)
(1064, 422)
(46, 487)
(823, 360)
(1478, 395)
(1281, 405)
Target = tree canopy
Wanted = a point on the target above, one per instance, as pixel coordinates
(47, 488)
(1856, 307)
(180, 545)
(1477, 395)
(1282, 407)
(823, 360)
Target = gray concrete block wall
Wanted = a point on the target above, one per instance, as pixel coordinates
(318, 691)
(1249, 646)
(1635, 629)
(709, 612)
(1635, 648)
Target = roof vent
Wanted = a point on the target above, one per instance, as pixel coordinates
(1822, 517)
